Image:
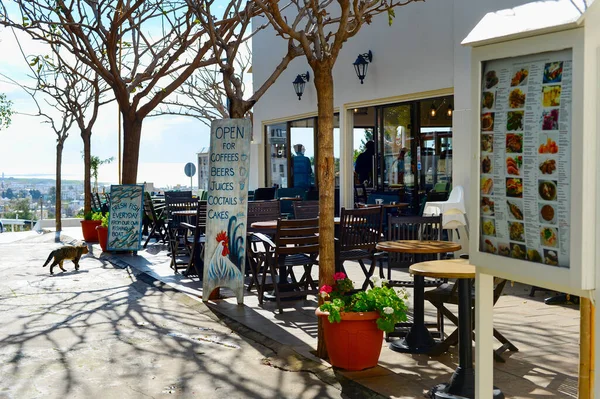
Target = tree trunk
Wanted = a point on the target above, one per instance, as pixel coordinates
(58, 204)
(86, 135)
(132, 132)
(326, 172)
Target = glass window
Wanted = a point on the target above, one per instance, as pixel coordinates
(277, 148)
(436, 143)
(397, 147)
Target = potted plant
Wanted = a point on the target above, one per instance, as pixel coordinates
(90, 221)
(103, 232)
(354, 322)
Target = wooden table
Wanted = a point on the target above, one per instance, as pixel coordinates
(462, 382)
(418, 339)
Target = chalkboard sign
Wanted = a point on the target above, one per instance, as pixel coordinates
(229, 166)
(125, 217)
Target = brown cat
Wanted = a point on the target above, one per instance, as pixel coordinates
(69, 253)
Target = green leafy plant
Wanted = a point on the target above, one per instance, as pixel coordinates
(105, 220)
(381, 298)
(96, 215)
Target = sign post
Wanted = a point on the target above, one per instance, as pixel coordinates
(229, 164)
(190, 171)
(125, 217)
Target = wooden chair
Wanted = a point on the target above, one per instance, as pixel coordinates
(306, 209)
(447, 294)
(156, 221)
(196, 240)
(178, 195)
(264, 194)
(258, 211)
(360, 194)
(96, 203)
(295, 245)
(359, 233)
(411, 228)
(176, 233)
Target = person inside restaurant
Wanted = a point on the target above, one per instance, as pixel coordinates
(364, 163)
(301, 168)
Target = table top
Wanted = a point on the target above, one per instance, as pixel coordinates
(398, 205)
(272, 224)
(185, 213)
(290, 198)
(418, 247)
(449, 268)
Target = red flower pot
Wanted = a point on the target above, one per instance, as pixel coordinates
(354, 343)
(88, 228)
(102, 236)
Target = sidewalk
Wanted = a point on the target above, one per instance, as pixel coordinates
(546, 364)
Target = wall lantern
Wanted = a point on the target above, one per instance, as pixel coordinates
(361, 64)
(449, 110)
(299, 84)
(433, 110)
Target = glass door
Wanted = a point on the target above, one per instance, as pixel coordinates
(396, 148)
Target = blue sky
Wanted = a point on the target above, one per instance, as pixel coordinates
(28, 146)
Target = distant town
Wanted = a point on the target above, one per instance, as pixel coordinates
(35, 198)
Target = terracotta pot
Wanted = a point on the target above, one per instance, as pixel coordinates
(89, 230)
(102, 237)
(354, 343)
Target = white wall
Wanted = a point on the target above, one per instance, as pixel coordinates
(420, 52)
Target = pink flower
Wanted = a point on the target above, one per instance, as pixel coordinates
(339, 276)
(326, 288)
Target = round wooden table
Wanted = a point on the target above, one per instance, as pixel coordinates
(418, 339)
(462, 382)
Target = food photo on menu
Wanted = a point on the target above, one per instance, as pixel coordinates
(514, 142)
(513, 165)
(547, 190)
(548, 144)
(514, 187)
(491, 79)
(519, 77)
(487, 185)
(514, 121)
(488, 226)
(487, 100)
(550, 119)
(487, 122)
(504, 249)
(487, 206)
(533, 255)
(515, 209)
(516, 231)
(550, 257)
(486, 165)
(548, 167)
(516, 98)
(553, 72)
(488, 246)
(517, 251)
(549, 236)
(551, 95)
(547, 213)
(487, 142)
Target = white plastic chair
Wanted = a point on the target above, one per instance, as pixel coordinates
(454, 213)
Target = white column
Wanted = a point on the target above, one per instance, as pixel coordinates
(484, 324)
(346, 153)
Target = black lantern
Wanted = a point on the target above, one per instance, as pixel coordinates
(361, 64)
(299, 84)
(449, 110)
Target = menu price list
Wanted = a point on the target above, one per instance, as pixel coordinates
(525, 162)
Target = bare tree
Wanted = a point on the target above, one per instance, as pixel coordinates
(142, 49)
(60, 123)
(320, 29)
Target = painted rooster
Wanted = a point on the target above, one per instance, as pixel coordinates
(220, 267)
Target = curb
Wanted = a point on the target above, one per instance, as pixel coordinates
(325, 373)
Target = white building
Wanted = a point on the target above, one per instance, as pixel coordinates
(418, 65)
(203, 174)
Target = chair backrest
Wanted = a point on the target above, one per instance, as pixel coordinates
(173, 205)
(264, 194)
(149, 210)
(360, 228)
(261, 211)
(96, 203)
(457, 195)
(287, 209)
(306, 209)
(201, 215)
(420, 228)
(178, 195)
(297, 236)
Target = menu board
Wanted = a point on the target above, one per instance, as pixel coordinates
(125, 217)
(525, 157)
